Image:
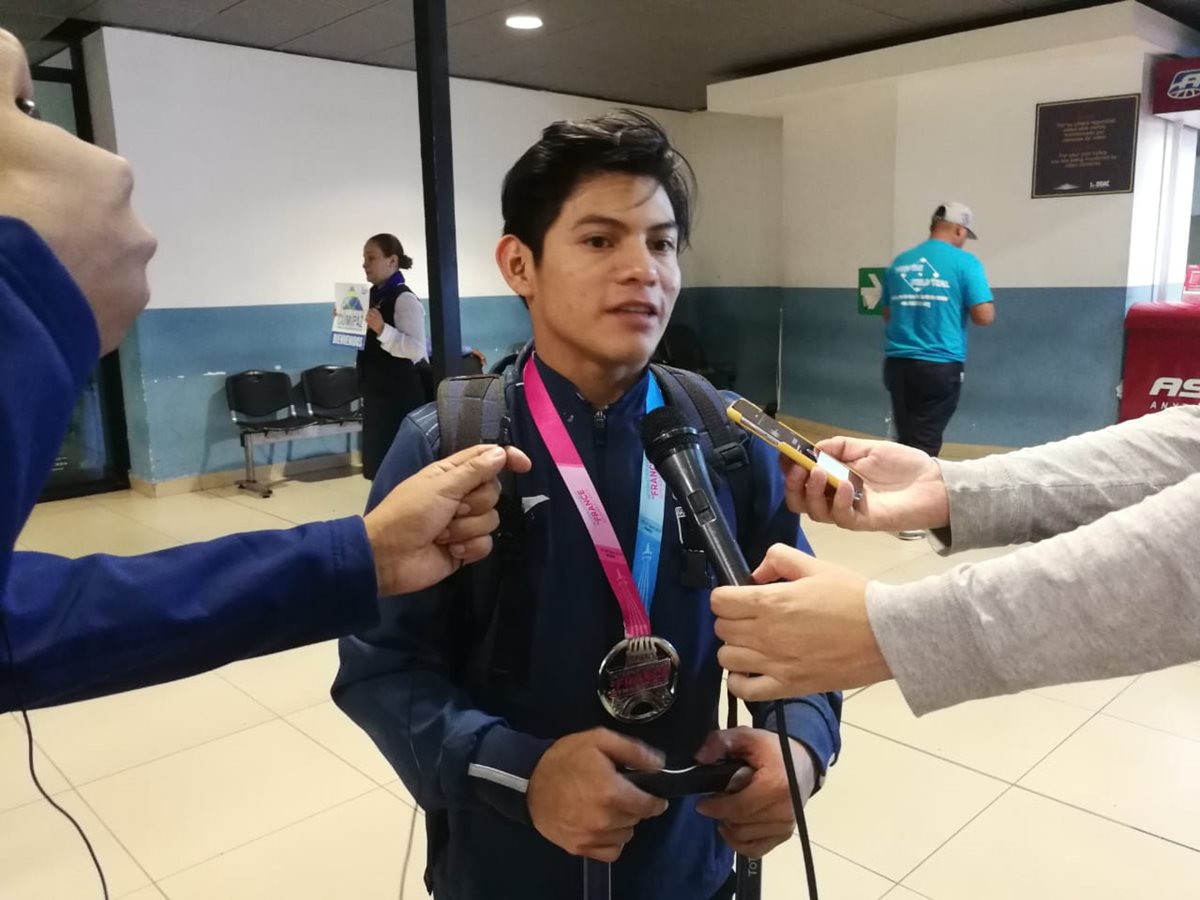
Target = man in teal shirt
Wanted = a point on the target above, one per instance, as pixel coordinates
(929, 294)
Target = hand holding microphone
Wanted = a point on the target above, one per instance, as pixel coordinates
(805, 634)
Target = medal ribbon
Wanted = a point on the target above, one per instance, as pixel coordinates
(634, 594)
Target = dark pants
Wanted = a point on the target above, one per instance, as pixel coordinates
(384, 408)
(924, 397)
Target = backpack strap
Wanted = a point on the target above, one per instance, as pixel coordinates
(471, 409)
(489, 611)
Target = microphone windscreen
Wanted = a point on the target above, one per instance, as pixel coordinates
(665, 430)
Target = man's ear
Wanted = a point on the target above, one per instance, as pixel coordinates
(515, 260)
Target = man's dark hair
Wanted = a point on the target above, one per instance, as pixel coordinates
(623, 142)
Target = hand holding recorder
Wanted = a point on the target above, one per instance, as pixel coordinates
(902, 488)
(855, 484)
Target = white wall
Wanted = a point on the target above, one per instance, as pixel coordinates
(839, 163)
(262, 173)
(737, 159)
(865, 164)
(967, 133)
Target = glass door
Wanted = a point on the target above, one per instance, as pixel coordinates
(94, 456)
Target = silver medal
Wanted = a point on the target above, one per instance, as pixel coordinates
(637, 679)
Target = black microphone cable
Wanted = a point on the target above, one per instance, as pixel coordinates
(789, 765)
(17, 695)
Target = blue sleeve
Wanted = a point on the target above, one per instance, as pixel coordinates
(398, 682)
(813, 720)
(48, 348)
(81, 628)
(975, 285)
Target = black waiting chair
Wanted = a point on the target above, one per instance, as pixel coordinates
(262, 407)
(332, 393)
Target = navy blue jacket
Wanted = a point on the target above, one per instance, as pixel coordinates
(465, 753)
(80, 628)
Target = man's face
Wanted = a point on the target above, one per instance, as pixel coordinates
(608, 276)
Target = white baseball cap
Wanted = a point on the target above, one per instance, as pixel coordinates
(956, 214)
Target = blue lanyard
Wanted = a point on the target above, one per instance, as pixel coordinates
(650, 515)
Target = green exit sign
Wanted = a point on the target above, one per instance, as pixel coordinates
(870, 290)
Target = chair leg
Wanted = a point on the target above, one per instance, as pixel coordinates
(250, 482)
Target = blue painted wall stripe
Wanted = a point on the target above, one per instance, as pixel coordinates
(1047, 368)
(174, 364)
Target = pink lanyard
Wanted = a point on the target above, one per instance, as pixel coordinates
(587, 501)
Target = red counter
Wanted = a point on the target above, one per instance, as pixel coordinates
(1162, 358)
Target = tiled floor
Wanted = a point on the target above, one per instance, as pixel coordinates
(248, 783)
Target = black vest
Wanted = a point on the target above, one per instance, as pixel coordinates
(376, 367)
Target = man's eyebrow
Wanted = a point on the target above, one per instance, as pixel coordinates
(597, 219)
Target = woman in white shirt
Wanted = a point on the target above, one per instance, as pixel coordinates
(387, 373)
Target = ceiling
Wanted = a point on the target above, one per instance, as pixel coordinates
(654, 52)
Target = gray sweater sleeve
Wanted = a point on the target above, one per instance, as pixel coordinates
(1115, 591)
(1028, 495)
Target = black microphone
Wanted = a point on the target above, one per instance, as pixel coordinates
(673, 447)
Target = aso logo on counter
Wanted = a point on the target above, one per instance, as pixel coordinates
(1179, 389)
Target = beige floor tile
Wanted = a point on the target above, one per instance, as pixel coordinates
(90, 528)
(297, 501)
(1002, 736)
(43, 858)
(1168, 700)
(784, 876)
(184, 809)
(99, 737)
(56, 508)
(900, 892)
(353, 483)
(198, 516)
(1093, 695)
(355, 850)
(290, 681)
(1130, 773)
(146, 893)
(330, 727)
(887, 807)
(866, 553)
(16, 787)
(1030, 847)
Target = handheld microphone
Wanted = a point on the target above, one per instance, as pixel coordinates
(673, 448)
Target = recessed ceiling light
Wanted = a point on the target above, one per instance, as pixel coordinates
(523, 23)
